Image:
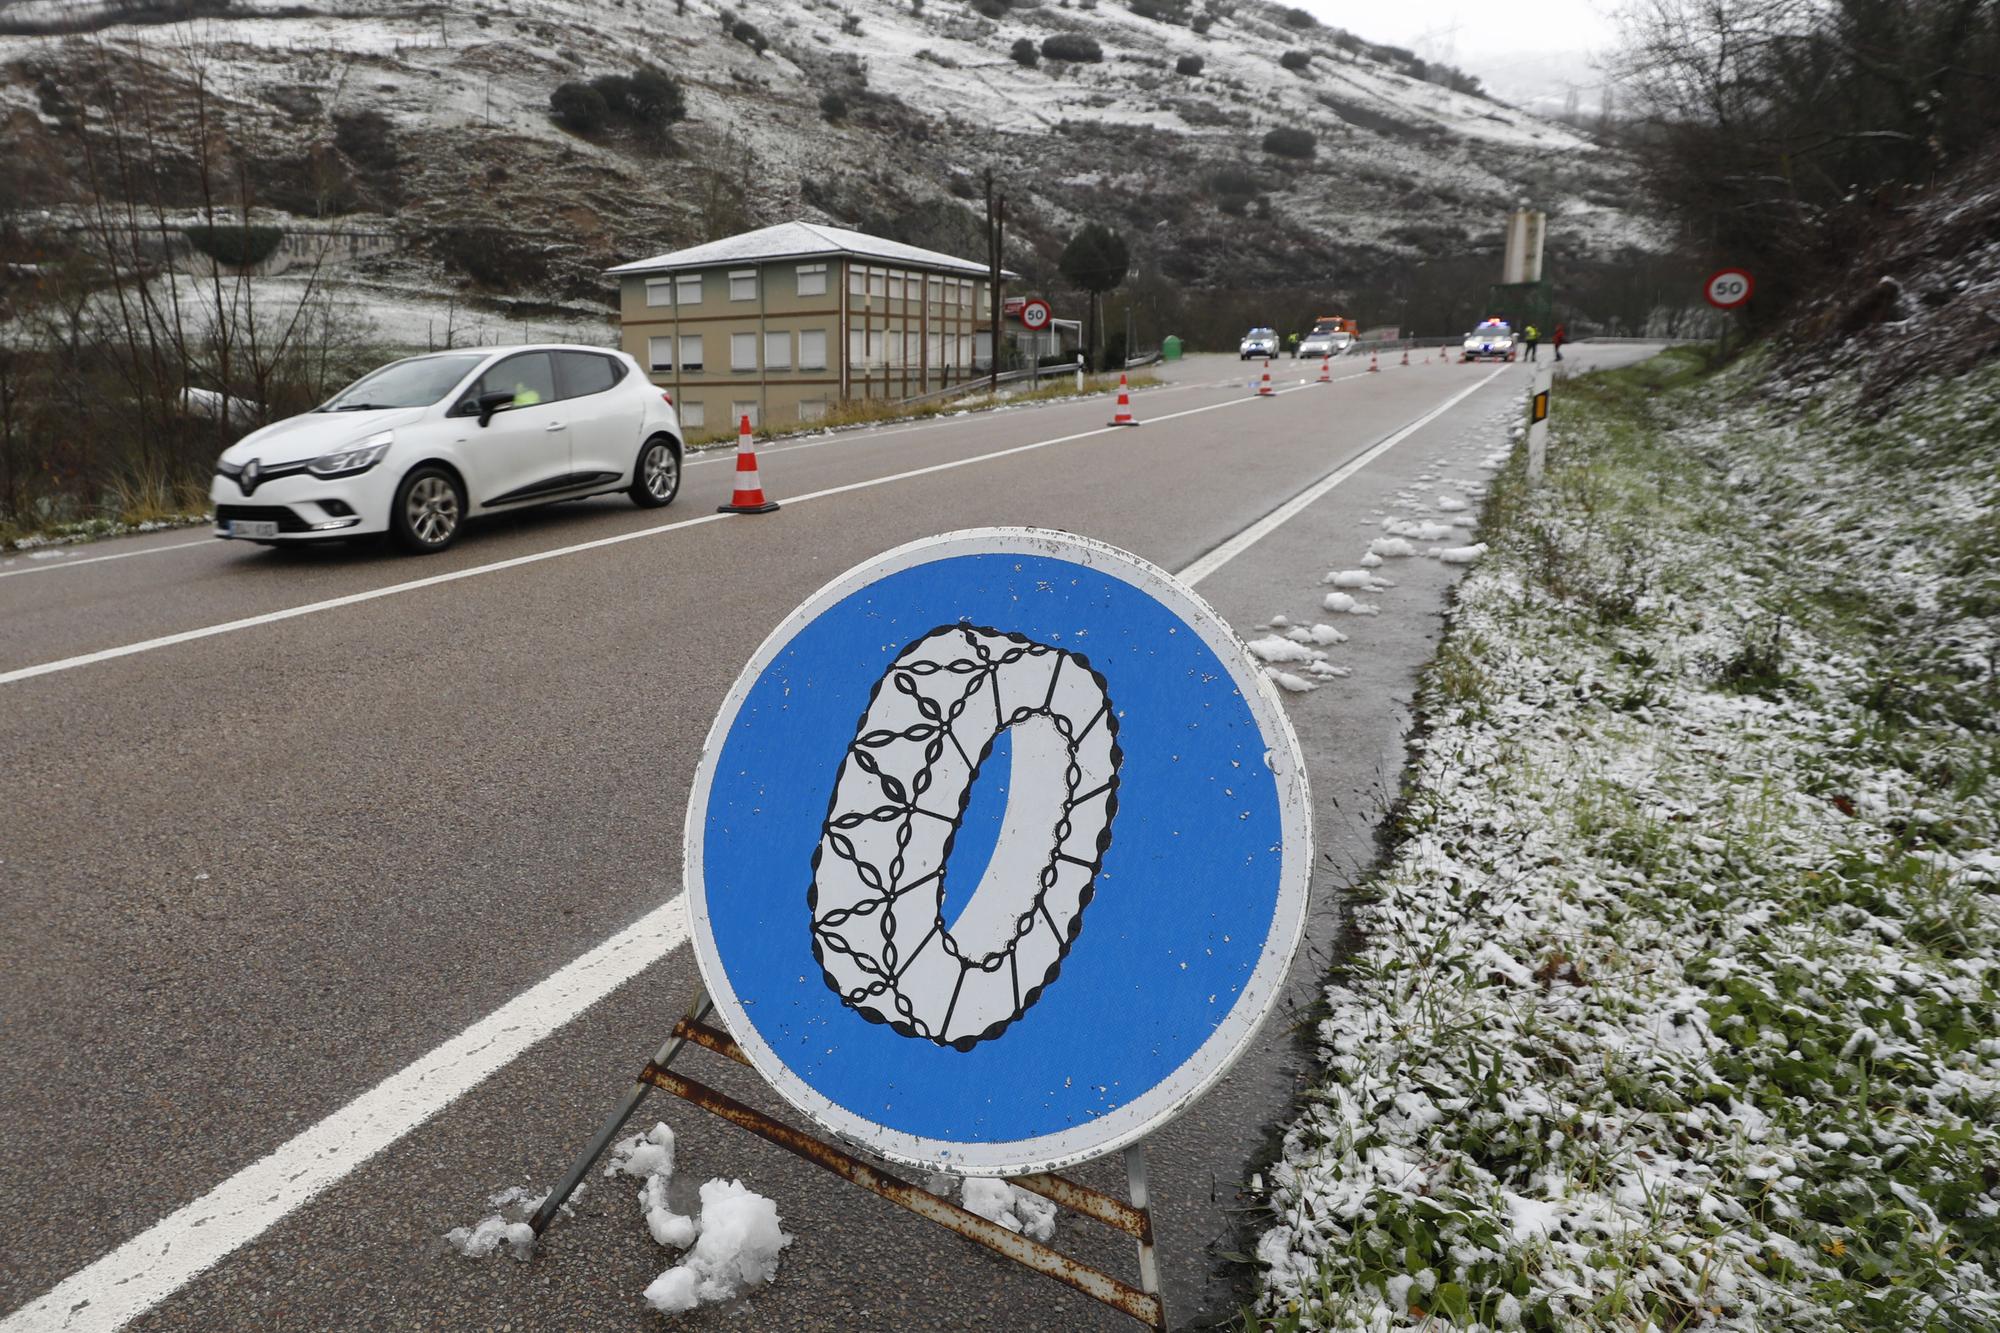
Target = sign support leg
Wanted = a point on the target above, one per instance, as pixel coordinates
(1149, 1260)
(558, 1196)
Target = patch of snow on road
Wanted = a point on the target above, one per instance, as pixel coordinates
(1285, 680)
(1390, 547)
(1345, 604)
(1276, 649)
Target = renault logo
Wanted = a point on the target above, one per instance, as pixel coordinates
(251, 471)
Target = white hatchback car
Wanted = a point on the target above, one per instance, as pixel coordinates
(417, 447)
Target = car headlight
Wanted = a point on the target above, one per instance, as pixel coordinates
(358, 458)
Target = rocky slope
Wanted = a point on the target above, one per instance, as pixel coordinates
(876, 113)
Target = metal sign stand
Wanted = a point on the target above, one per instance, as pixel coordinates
(1144, 1303)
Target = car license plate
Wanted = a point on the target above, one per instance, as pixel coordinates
(248, 527)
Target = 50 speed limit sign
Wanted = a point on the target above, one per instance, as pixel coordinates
(1035, 315)
(1729, 289)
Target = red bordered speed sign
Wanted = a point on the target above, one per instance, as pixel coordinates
(1035, 314)
(1729, 289)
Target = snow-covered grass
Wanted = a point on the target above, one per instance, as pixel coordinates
(1675, 1003)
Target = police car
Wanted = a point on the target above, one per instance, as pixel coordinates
(1493, 340)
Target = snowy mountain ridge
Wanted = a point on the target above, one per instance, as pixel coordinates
(873, 113)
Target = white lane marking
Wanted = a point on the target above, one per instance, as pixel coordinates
(157, 1262)
(1290, 509)
(536, 557)
(50, 566)
(153, 1265)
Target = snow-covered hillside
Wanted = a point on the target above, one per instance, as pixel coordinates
(878, 113)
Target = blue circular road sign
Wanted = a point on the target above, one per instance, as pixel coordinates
(998, 850)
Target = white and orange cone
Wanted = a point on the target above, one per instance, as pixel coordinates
(749, 496)
(1123, 416)
(1326, 370)
(1374, 363)
(1264, 389)
(1406, 356)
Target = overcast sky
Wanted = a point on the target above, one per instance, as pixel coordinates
(1521, 49)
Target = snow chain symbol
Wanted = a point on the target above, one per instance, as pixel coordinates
(878, 892)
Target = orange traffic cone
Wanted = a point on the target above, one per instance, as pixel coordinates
(1374, 364)
(749, 497)
(1123, 417)
(1326, 370)
(1406, 356)
(1264, 389)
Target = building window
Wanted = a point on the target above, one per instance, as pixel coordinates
(913, 349)
(693, 415)
(857, 280)
(812, 349)
(812, 409)
(660, 353)
(740, 410)
(687, 289)
(935, 349)
(743, 284)
(877, 281)
(777, 351)
(895, 286)
(875, 356)
(742, 351)
(812, 280)
(659, 291)
(691, 351)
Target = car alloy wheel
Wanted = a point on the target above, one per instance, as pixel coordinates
(430, 510)
(662, 472)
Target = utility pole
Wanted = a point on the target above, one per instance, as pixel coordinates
(996, 227)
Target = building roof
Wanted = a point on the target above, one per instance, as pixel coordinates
(800, 240)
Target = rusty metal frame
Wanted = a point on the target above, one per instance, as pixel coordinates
(1144, 1303)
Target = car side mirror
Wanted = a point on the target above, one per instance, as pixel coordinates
(489, 403)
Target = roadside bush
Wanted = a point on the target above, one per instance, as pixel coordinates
(1114, 351)
(746, 32)
(1072, 46)
(235, 246)
(992, 9)
(1287, 141)
(579, 107)
(833, 106)
(496, 257)
(1295, 60)
(1162, 11)
(1024, 53)
(1298, 18)
(1189, 65)
(649, 99)
(1202, 23)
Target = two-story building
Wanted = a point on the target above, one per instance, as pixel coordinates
(779, 324)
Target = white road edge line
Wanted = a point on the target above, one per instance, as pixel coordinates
(536, 557)
(159, 1261)
(51, 566)
(1290, 509)
(145, 1270)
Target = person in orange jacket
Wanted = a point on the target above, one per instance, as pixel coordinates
(1561, 337)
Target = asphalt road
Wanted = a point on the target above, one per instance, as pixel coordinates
(278, 824)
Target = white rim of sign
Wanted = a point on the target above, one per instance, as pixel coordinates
(1173, 1094)
(1035, 314)
(1729, 288)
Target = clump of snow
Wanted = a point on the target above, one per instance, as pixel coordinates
(643, 1155)
(737, 1250)
(1012, 1207)
(1356, 578)
(1391, 547)
(1461, 555)
(1279, 649)
(1287, 681)
(476, 1242)
(1345, 604)
(1326, 635)
(1450, 503)
(1422, 532)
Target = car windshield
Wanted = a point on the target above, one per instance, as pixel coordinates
(417, 382)
(1262, 333)
(1493, 327)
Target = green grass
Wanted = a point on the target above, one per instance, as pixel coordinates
(1684, 937)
